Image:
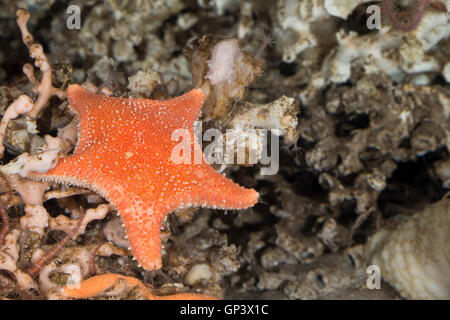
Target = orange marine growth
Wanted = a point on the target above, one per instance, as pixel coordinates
(99, 284)
(124, 153)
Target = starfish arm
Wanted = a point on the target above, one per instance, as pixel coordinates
(67, 171)
(97, 284)
(143, 229)
(184, 296)
(82, 101)
(217, 191)
(186, 107)
(182, 111)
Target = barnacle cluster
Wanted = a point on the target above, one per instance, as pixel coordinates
(419, 249)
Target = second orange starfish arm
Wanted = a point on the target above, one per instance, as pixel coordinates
(98, 284)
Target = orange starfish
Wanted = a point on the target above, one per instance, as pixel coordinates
(124, 153)
(98, 284)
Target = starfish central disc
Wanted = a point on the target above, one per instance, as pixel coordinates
(124, 153)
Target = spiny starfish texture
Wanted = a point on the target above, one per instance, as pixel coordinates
(124, 153)
(99, 284)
